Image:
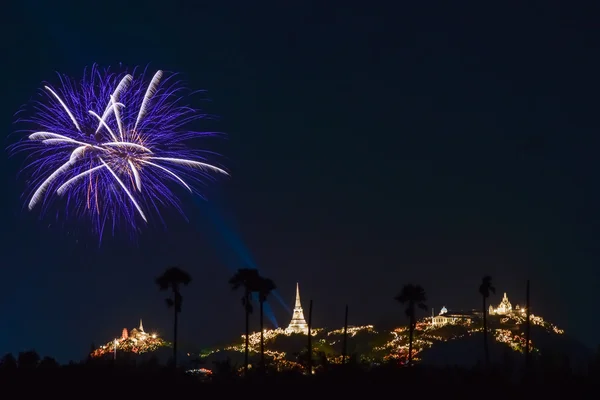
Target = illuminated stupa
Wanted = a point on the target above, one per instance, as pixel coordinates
(297, 324)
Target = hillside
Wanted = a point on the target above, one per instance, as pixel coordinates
(131, 342)
(456, 341)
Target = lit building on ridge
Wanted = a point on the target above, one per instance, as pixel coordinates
(136, 340)
(445, 317)
(136, 333)
(505, 308)
(297, 324)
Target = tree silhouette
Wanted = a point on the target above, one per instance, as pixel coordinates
(265, 287)
(224, 371)
(48, 362)
(89, 358)
(172, 279)
(29, 359)
(413, 296)
(248, 279)
(8, 362)
(485, 288)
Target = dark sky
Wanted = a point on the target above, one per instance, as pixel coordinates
(371, 145)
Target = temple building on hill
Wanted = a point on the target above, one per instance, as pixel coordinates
(505, 308)
(136, 333)
(136, 340)
(445, 317)
(297, 324)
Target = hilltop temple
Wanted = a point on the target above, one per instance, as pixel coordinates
(136, 340)
(505, 308)
(297, 324)
(453, 317)
(135, 333)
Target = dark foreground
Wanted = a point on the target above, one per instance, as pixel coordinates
(78, 381)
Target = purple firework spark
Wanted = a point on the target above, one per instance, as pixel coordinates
(113, 147)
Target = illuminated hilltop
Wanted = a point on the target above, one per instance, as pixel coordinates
(284, 346)
(135, 341)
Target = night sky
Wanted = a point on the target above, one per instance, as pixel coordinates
(370, 146)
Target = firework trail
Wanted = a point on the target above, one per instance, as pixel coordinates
(113, 148)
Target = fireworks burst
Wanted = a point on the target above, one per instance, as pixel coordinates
(113, 148)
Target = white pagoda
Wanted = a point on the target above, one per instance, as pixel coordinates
(297, 324)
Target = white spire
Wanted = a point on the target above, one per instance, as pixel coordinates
(298, 304)
(141, 329)
(298, 324)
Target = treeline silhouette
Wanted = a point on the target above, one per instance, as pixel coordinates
(28, 375)
(146, 376)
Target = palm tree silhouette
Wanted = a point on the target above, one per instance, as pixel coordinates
(265, 287)
(484, 289)
(172, 279)
(248, 279)
(413, 296)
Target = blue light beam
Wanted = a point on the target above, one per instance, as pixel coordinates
(234, 252)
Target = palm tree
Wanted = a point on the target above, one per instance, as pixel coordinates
(413, 296)
(484, 289)
(265, 287)
(172, 279)
(249, 280)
